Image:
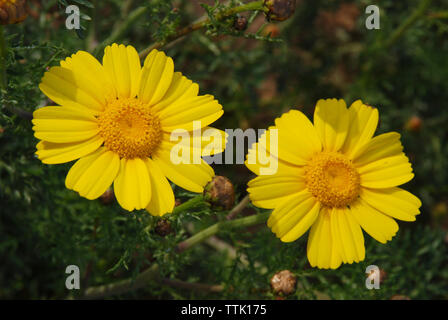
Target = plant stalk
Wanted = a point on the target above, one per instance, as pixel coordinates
(203, 21)
(3, 51)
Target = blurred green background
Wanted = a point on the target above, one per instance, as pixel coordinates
(323, 51)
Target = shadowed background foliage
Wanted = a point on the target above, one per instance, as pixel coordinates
(322, 51)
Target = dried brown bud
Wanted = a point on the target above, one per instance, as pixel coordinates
(108, 197)
(220, 193)
(283, 282)
(177, 202)
(163, 228)
(12, 11)
(414, 124)
(399, 297)
(240, 23)
(279, 10)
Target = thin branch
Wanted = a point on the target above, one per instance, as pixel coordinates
(121, 29)
(416, 15)
(238, 208)
(3, 50)
(214, 229)
(152, 273)
(123, 286)
(203, 21)
(193, 286)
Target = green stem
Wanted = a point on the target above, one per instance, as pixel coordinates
(121, 29)
(203, 21)
(188, 205)
(223, 225)
(439, 15)
(416, 15)
(123, 286)
(152, 274)
(3, 51)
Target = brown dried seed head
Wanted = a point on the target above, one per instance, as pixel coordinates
(279, 10)
(163, 228)
(220, 193)
(283, 282)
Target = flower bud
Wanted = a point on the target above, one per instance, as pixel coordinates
(240, 23)
(414, 124)
(279, 10)
(220, 193)
(271, 30)
(163, 228)
(108, 197)
(283, 282)
(12, 11)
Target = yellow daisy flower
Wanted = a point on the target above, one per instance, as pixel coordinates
(334, 178)
(116, 118)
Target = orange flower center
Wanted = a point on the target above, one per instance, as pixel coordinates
(130, 128)
(332, 179)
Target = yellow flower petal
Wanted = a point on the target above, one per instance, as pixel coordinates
(297, 138)
(362, 126)
(123, 67)
(292, 216)
(156, 77)
(64, 124)
(162, 198)
(387, 172)
(303, 225)
(331, 120)
(382, 146)
(321, 248)
(62, 85)
(258, 158)
(394, 202)
(347, 235)
(191, 177)
(379, 226)
(92, 175)
(54, 153)
(269, 191)
(133, 186)
(181, 114)
(207, 140)
(181, 89)
(91, 76)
